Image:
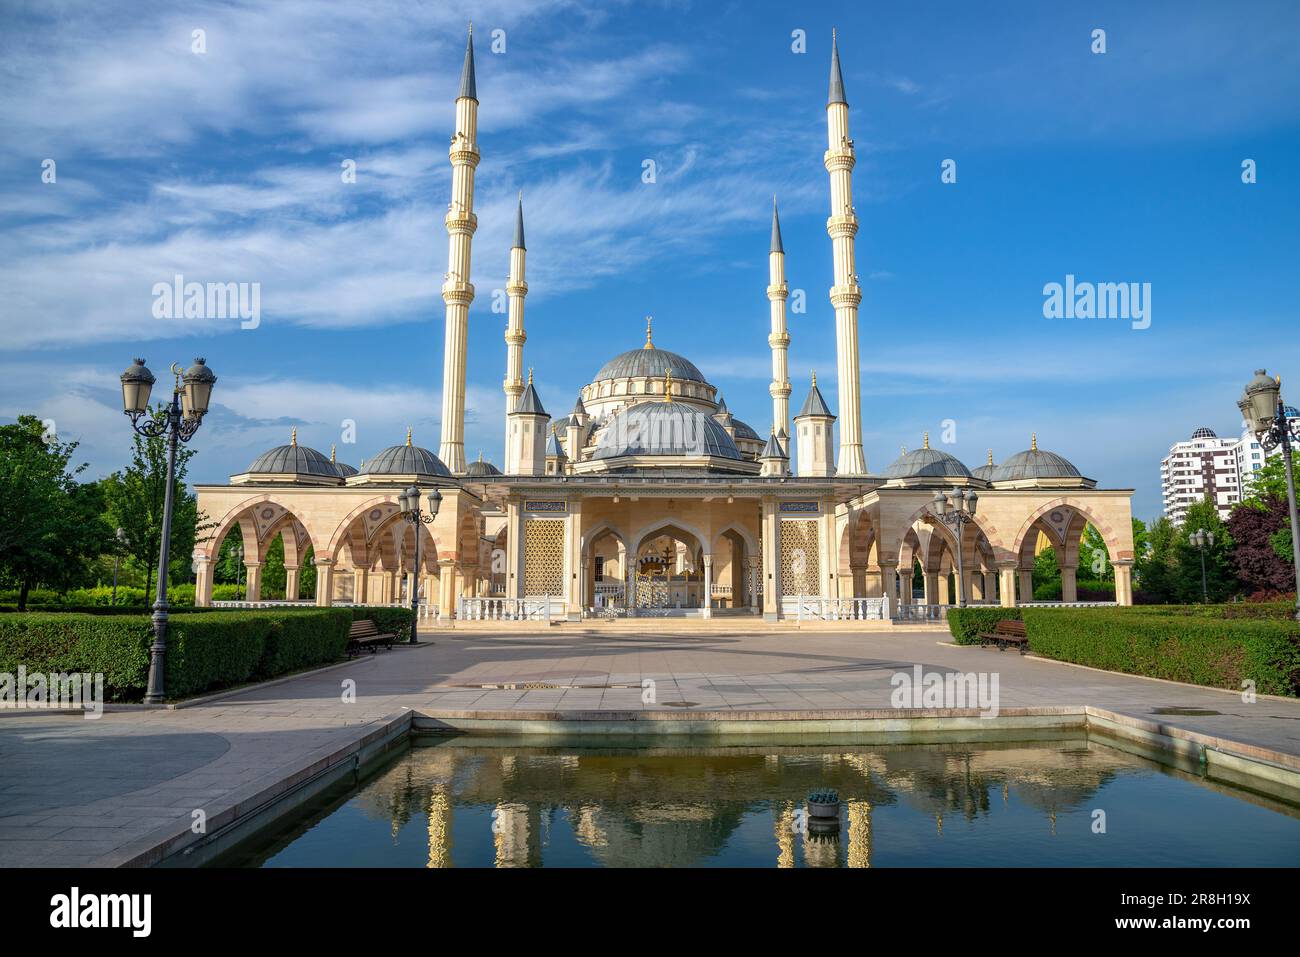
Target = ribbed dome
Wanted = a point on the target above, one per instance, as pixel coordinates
(664, 428)
(743, 431)
(1034, 463)
(406, 460)
(293, 459)
(652, 363)
(1204, 433)
(481, 468)
(344, 469)
(926, 463)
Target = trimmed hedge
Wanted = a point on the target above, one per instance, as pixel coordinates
(206, 650)
(1218, 652)
(965, 624)
(395, 621)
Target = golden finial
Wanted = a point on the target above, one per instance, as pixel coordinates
(648, 343)
(814, 372)
(480, 455)
(408, 436)
(668, 385)
(293, 436)
(990, 456)
(331, 451)
(904, 448)
(927, 440)
(530, 375)
(1033, 441)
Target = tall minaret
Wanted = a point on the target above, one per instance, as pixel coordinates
(457, 292)
(516, 289)
(779, 339)
(845, 294)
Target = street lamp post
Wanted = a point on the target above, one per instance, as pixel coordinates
(1201, 538)
(191, 392)
(409, 503)
(238, 552)
(1262, 408)
(957, 517)
(120, 535)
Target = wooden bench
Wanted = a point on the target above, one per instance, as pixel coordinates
(366, 634)
(1006, 633)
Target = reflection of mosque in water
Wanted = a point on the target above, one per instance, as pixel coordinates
(680, 807)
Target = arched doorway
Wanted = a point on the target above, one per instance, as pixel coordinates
(668, 572)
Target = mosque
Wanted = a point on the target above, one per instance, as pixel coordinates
(649, 498)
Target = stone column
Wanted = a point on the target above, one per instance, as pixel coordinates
(360, 585)
(932, 588)
(905, 588)
(708, 586)
(1069, 585)
(202, 581)
(291, 578)
(446, 589)
(990, 586)
(1026, 585)
(874, 582)
(325, 582)
(573, 561)
(754, 564)
(1007, 586)
(889, 581)
(514, 549)
(771, 560)
(253, 581)
(1123, 582)
(629, 585)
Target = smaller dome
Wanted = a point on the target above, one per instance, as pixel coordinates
(985, 471)
(480, 468)
(744, 431)
(344, 469)
(1034, 463)
(1291, 412)
(406, 460)
(1204, 433)
(293, 459)
(926, 462)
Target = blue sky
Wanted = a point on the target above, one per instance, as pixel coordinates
(225, 166)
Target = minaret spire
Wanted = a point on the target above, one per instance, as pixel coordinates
(516, 290)
(845, 295)
(457, 291)
(778, 339)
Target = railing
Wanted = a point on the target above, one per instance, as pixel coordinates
(302, 603)
(496, 588)
(915, 612)
(544, 608)
(722, 590)
(1068, 604)
(610, 588)
(817, 608)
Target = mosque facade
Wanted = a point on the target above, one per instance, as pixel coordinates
(649, 498)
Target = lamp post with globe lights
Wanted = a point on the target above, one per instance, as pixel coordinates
(191, 392)
(409, 503)
(1265, 414)
(956, 514)
(1200, 539)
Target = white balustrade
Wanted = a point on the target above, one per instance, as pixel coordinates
(491, 608)
(921, 612)
(818, 608)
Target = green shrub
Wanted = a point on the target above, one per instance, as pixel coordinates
(1199, 649)
(395, 621)
(299, 639)
(206, 650)
(965, 624)
(116, 646)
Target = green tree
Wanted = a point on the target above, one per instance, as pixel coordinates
(50, 525)
(134, 499)
(1220, 582)
(1155, 563)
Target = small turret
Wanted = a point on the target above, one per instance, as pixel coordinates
(814, 427)
(526, 450)
(773, 459)
(556, 460)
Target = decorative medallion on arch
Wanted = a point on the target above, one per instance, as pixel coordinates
(800, 570)
(543, 557)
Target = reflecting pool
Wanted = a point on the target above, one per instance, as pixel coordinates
(1057, 802)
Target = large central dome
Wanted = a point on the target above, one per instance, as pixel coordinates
(651, 363)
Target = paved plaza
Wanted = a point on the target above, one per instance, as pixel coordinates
(94, 792)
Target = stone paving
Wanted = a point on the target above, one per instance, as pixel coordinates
(76, 791)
